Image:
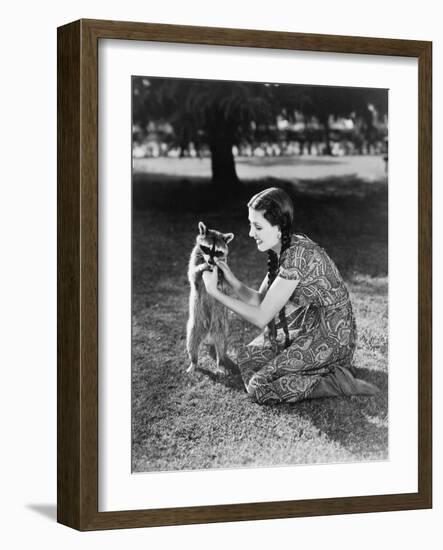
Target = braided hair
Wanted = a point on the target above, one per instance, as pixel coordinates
(278, 210)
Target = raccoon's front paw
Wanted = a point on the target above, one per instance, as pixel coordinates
(191, 368)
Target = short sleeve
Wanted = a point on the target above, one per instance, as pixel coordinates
(294, 265)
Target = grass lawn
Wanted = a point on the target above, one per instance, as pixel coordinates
(186, 422)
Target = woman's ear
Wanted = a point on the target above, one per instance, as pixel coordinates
(202, 228)
(228, 237)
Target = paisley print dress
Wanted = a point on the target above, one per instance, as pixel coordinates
(322, 332)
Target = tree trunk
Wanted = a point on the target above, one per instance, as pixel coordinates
(221, 140)
(325, 121)
(222, 162)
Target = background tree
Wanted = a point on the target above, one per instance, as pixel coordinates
(223, 114)
(219, 114)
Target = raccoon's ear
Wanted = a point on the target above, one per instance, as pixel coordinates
(228, 237)
(202, 228)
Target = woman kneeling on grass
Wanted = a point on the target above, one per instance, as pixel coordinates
(303, 304)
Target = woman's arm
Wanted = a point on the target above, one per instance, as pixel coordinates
(249, 295)
(259, 315)
(242, 291)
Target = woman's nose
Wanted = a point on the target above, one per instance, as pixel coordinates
(251, 232)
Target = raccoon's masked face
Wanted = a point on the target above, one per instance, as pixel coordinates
(213, 244)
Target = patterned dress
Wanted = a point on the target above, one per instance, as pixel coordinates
(322, 330)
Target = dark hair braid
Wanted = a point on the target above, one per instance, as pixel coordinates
(273, 264)
(272, 274)
(285, 243)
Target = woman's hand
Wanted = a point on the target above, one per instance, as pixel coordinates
(230, 278)
(210, 279)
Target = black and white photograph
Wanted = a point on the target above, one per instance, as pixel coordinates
(259, 274)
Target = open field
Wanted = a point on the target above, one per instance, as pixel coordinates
(290, 168)
(183, 422)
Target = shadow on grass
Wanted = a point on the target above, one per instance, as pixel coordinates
(340, 186)
(347, 216)
(173, 192)
(232, 380)
(358, 423)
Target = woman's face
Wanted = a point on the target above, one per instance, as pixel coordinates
(266, 236)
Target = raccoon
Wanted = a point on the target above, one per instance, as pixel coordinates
(207, 317)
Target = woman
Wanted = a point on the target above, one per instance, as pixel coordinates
(310, 336)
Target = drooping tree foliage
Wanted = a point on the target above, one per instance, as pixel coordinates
(216, 113)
